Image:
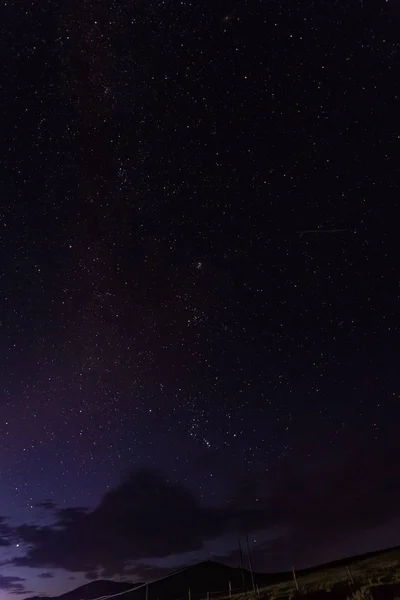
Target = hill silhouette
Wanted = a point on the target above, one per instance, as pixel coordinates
(208, 576)
(94, 589)
(202, 578)
(211, 579)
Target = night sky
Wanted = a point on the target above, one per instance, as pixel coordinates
(199, 285)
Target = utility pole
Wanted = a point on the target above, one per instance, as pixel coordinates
(241, 565)
(250, 564)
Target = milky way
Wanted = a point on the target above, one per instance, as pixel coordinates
(199, 283)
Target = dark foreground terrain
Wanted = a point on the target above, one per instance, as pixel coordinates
(374, 576)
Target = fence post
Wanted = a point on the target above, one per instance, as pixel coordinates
(189, 594)
(208, 595)
(350, 575)
(295, 579)
(257, 590)
(147, 591)
(230, 590)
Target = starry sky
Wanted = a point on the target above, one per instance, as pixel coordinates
(199, 285)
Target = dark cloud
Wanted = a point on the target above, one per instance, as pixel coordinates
(46, 575)
(145, 516)
(323, 512)
(4, 542)
(45, 504)
(91, 575)
(311, 513)
(12, 584)
(6, 533)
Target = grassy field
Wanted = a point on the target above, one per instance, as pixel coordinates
(375, 577)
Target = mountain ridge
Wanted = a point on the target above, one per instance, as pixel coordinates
(204, 578)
